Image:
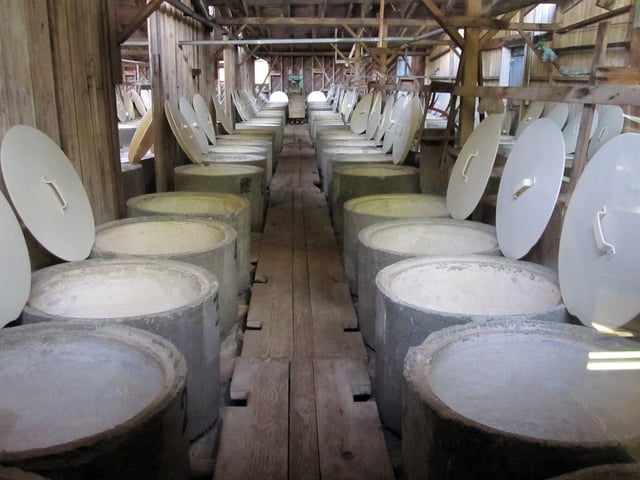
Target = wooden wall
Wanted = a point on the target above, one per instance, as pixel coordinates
(172, 77)
(56, 74)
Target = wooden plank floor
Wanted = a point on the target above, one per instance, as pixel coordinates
(300, 390)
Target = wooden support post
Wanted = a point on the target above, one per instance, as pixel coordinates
(230, 60)
(470, 72)
(634, 49)
(582, 145)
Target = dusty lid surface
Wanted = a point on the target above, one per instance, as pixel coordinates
(190, 116)
(544, 382)
(430, 237)
(532, 114)
(57, 376)
(47, 193)
(529, 187)
(183, 133)
(142, 139)
(385, 118)
(156, 236)
(227, 122)
(400, 116)
(610, 122)
(472, 285)
(471, 172)
(405, 132)
(399, 205)
(558, 114)
(360, 116)
(204, 117)
(190, 203)
(112, 289)
(571, 129)
(374, 115)
(599, 260)
(15, 266)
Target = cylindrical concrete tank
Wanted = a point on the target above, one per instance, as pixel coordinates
(13, 473)
(383, 244)
(172, 299)
(246, 140)
(88, 401)
(323, 156)
(204, 243)
(149, 172)
(132, 180)
(364, 211)
(518, 399)
(224, 207)
(251, 159)
(243, 180)
(340, 160)
(419, 296)
(261, 128)
(359, 180)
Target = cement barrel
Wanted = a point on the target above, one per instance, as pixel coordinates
(242, 180)
(518, 399)
(224, 207)
(82, 400)
(419, 296)
(172, 299)
(204, 243)
(132, 180)
(354, 181)
(386, 243)
(364, 211)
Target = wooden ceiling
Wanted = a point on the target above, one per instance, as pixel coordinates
(416, 25)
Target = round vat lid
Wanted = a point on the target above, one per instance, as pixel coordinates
(610, 121)
(558, 114)
(204, 117)
(599, 259)
(121, 111)
(142, 139)
(472, 169)
(128, 103)
(533, 113)
(221, 116)
(374, 115)
(139, 104)
(316, 97)
(405, 132)
(401, 113)
(360, 117)
(571, 129)
(190, 116)
(351, 99)
(15, 268)
(385, 118)
(47, 193)
(183, 133)
(529, 187)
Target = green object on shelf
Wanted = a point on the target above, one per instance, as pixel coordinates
(296, 84)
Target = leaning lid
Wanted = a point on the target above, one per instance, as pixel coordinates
(47, 193)
(360, 116)
(533, 113)
(529, 187)
(222, 117)
(406, 131)
(190, 116)
(183, 133)
(15, 268)
(610, 122)
(399, 114)
(599, 258)
(572, 128)
(472, 169)
(143, 138)
(374, 115)
(558, 114)
(204, 115)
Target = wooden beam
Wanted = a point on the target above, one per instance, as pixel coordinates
(471, 53)
(618, 76)
(607, 95)
(596, 19)
(503, 6)
(488, 36)
(139, 19)
(588, 111)
(439, 18)
(537, 52)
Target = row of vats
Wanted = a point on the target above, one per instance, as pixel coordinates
(486, 365)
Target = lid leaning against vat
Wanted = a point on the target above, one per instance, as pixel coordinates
(529, 187)
(183, 133)
(142, 140)
(598, 262)
(473, 167)
(15, 270)
(374, 115)
(204, 115)
(47, 193)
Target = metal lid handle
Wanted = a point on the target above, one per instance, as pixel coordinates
(56, 190)
(605, 247)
